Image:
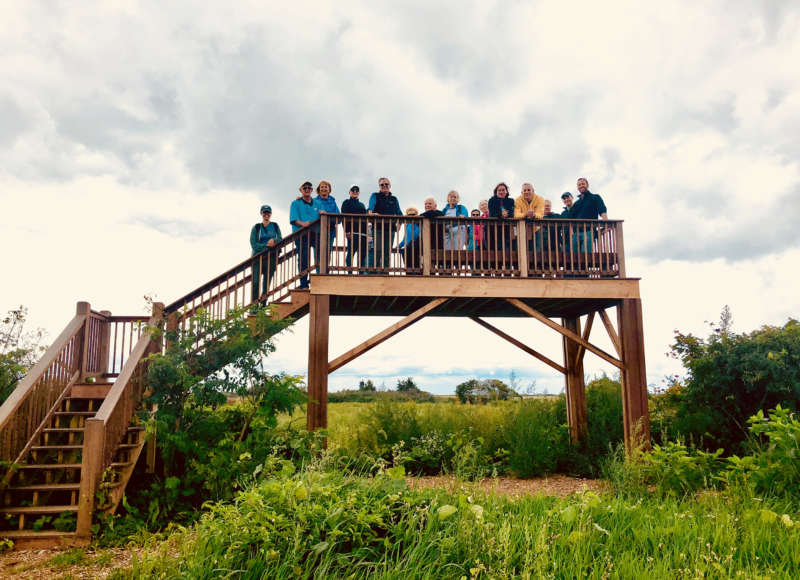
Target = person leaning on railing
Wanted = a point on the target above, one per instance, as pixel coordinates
(263, 236)
(475, 232)
(548, 241)
(531, 207)
(383, 203)
(356, 232)
(501, 207)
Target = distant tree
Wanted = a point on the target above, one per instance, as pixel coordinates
(19, 349)
(482, 391)
(407, 384)
(725, 320)
(733, 376)
(366, 385)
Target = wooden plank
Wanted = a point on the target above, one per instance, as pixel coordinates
(383, 335)
(635, 411)
(519, 344)
(426, 247)
(317, 408)
(91, 470)
(566, 332)
(612, 334)
(620, 248)
(574, 385)
(474, 287)
(89, 391)
(522, 248)
(586, 332)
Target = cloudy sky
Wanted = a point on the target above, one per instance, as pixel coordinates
(138, 139)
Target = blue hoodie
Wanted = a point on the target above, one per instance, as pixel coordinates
(327, 205)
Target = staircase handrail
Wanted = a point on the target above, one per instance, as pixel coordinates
(234, 279)
(43, 386)
(106, 429)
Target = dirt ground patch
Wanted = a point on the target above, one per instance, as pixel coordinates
(63, 563)
(556, 485)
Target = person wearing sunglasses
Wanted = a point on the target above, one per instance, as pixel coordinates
(302, 213)
(263, 237)
(382, 202)
(475, 232)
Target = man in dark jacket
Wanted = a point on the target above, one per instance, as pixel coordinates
(355, 230)
(589, 206)
(383, 203)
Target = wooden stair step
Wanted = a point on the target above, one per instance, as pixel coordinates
(51, 466)
(90, 391)
(63, 429)
(56, 447)
(22, 534)
(47, 487)
(39, 509)
(76, 413)
(122, 464)
(128, 445)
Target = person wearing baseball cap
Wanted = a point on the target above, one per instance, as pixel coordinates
(264, 236)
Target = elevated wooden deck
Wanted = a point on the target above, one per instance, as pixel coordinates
(562, 273)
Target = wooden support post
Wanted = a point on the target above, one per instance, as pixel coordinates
(324, 243)
(84, 309)
(575, 387)
(522, 247)
(91, 471)
(635, 411)
(317, 411)
(620, 249)
(426, 247)
(105, 339)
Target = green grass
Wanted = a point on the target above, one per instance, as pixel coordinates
(328, 525)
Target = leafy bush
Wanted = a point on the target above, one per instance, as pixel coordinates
(483, 391)
(19, 349)
(774, 466)
(733, 376)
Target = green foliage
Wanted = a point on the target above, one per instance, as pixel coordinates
(407, 384)
(774, 466)
(19, 349)
(368, 396)
(483, 391)
(366, 385)
(733, 376)
(327, 525)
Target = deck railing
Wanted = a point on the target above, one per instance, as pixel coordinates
(413, 246)
(404, 245)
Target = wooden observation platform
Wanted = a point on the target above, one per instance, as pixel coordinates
(69, 429)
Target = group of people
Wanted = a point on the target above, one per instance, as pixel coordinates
(305, 210)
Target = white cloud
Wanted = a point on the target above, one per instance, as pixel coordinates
(138, 141)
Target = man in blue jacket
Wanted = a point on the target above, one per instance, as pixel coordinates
(303, 212)
(383, 203)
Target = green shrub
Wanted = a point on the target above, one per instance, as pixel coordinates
(733, 376)
(537, 436)
(774, 466)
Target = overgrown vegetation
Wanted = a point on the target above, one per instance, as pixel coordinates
(19, 349)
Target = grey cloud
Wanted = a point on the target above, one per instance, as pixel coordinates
(13, 121)
(749, 235)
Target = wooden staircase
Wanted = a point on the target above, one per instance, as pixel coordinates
(40, 493)
(68, 446)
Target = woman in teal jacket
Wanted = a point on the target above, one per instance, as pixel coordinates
(264, 236)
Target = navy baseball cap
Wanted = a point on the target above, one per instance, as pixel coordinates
(565, 194)
(266, 208)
